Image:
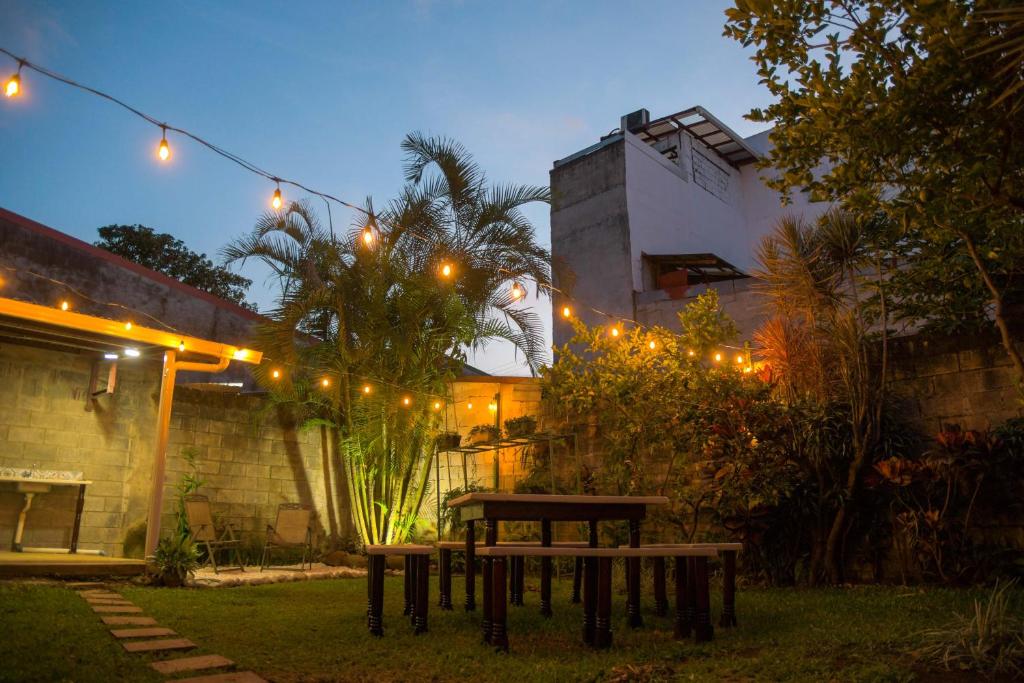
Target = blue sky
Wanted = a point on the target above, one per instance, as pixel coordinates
(324, 92)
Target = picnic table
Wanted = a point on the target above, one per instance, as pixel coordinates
(491, 508)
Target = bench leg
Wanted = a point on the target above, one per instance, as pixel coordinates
(603, 623)
(691, 592)
(660, 599)
(499, 610)
(408, 585)
(589, 598)
(490, 538)
(728, 589)
(376, 579)
(515, 567)
(520, 579)
(470, 566)
(577, 579)
(682, 621)
(545, 570)
(633, 578)
(422, 594)
(444, 571)
(702, 629)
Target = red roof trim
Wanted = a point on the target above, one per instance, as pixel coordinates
(114, 259)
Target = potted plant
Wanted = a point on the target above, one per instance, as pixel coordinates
(447, 441)
(482, 433)
(520, 426)
(176, 559)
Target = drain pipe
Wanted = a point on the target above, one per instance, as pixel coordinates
(163, 425)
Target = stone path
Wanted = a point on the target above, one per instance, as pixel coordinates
(118, 612)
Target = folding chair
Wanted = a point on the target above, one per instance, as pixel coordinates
(293, 529)
(203, 531)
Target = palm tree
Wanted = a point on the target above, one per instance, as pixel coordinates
(370, 328)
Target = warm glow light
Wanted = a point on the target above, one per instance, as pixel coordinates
(181, 346)
(446, 270)
(368, 236)
(469, 406)
(64, 305)
(739, 358)
(134, 353)
(437, 405)
(366, 388)
(748, 369)
(164, 150)
(110, 356)
(241, 354)
(325, 382)
(718, 357)
(128, 326)
(652, 345)
(13, 86)
(517, 292)
(692, 353)
(492, 406)
(566, 311)
(614, 332)
(406, 401)
(277, 201)
(275, 374)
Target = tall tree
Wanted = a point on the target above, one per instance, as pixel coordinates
(385, 315)
(902, 108)
(168, 255)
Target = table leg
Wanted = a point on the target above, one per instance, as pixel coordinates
(728, 589)
(408, 586)
(545, 569)
(660, 599)
(490, 539)
(702, 629)
(79, 506)
(577, 578)
(20, 530)
(519, 577)
(691, 593)
(376, 577)
(422, 593)
(682, 624)
(589, 598)
(444, 571)
(499, 610)
(603, 623)
(633, 578)
(471, 566)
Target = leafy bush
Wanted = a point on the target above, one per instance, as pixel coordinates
(989, 640)
(524, 425)
(190, 483)
(176, 559)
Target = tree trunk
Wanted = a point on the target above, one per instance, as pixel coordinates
(998, 312)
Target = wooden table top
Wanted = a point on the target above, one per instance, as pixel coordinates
(549, 499)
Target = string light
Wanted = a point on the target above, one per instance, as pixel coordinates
(469, 406)
(406, 401)
(566, 312)
(181, 345)
(275, 374)
(691, 353)
(276, 202)
(325, 382)
(517, 292)
(718, 357)
(132, 352)
(739, 358)
(164, 150)
(446, 270)
(437, 405)
(64, 305)
(128, 326)
(614, 331)
(366, 389)
(652, 345)
(13, 86)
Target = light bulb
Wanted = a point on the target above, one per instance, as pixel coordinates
(615, 332)
(437, 405)
(325, 382)
(368, 236)
(517, 292)
(739, 358)
(110, 356)
(652, 345)
(469, 406)
(164, 150)
(446, 270)
(406, 401)
(492, 406)
(13, 86)
(566, 312)
(277, 201)
(691, 353)
(181, 346)
(64, 305)
(275, 374)
(240, 354)
(718, 357)
(366, 388)
(134, 353)
(128, 326)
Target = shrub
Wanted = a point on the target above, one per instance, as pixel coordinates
(176, 560)
(989, 640)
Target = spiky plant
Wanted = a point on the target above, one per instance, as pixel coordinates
(377, 313)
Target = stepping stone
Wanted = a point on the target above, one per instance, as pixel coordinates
(235, 677)
(98, 591)
(173, 666)
(116, 609)
(122, 603)
(158, 645)
(129, 621)
(141, 632)
(78, 585)
(102, 596)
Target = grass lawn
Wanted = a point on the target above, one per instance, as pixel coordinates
(315, 631)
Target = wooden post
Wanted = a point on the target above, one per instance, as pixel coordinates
(79, 506)
(163, 426)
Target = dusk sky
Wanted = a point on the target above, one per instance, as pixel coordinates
(324, 92)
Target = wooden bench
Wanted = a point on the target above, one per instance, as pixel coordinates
(417, 584)
(517, 572)
(597, 588)
(728, 552)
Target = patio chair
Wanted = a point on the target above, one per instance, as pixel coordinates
(293, 529)
(203, 530)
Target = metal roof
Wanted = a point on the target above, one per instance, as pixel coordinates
(699, 123)
(701, 267)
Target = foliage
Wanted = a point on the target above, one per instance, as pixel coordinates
(901, 110)
(450, 525)
(168, 255)
(176, 558)
(485, 432)
(988, 640)
(377, 311)
(524, 425)
(189, 483)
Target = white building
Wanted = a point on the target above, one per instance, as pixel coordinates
(656, 199)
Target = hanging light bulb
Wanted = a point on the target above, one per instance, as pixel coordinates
(275, 374)
(566, 312)
(406, 401)
(325, 382)
(437, 405)
(276, 201)
(739, 358)
(652, 345)
(13, 86)
(691, 353)
(164, 150)
(615, 331)
(469, 406)
(128, 326)
(446, 270)
(64, 305)
(366, 389)
(517, 291)
(181, 345)
(718, 357)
